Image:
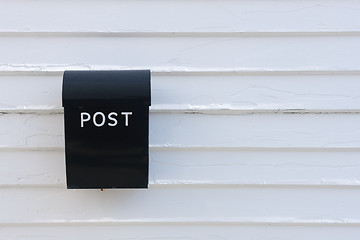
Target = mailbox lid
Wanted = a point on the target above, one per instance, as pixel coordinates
(87, 87)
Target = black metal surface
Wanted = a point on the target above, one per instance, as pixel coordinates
(106, 128)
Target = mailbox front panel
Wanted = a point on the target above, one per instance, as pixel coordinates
(106, 143)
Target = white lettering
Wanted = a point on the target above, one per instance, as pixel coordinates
(110, 119)
(126, 117)
(115, 122)
(82, 119)
(103, 119)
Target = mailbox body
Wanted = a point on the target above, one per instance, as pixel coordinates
(106, 128)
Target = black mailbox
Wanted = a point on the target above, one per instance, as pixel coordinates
(106, 128)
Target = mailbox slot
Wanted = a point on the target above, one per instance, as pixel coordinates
(106, 117)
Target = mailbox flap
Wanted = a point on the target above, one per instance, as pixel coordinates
(87, 87)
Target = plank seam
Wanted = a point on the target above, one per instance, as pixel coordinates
(171, 147)
(200, 111)
(58, 70)
(285, 222)
(200, 185)
(164, 34)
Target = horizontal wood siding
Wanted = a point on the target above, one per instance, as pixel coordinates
(207, 92)
(184, 52)
(180, 231)
(202, 167)
(254, 123)
(180, 15)
(188, 130)
(173, 204)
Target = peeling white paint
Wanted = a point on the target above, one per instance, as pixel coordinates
(205, 94)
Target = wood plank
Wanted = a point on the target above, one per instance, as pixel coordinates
(28, 168)
(201, 92)
(180, 232)
(310, 168)
(181, 205)
(208, 168)
(198, 130)
(169, 16)
(32, 92)
(217, 53)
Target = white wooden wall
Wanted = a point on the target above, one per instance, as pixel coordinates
(254, 124)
